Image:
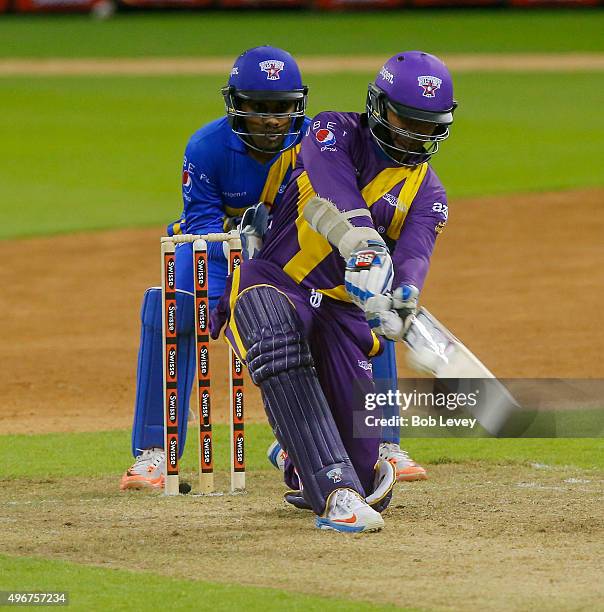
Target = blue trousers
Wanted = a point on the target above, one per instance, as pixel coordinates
(148, 427)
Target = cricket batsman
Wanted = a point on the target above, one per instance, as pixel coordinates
(341, 268)
(230, 164)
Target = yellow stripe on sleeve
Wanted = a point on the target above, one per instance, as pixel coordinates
(383, 183)
(405, 199)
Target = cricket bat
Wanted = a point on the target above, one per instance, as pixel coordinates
(435, 350)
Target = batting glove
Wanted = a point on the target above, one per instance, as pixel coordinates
(404, 300)
(368, 273)
(386, 323)
(390, 315)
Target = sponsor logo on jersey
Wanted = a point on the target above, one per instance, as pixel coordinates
(272, 69)
(440, 226)
(392, 200)
(315, 298)
(441, 208)
(429, 84)
(365, 365)
(325, 137)
(387, 75)
(187, 182)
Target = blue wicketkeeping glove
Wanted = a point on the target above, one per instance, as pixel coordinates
(252, 228)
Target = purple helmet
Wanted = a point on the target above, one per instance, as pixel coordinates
(265, 74)
(417, 89)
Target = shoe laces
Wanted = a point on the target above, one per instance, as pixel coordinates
(346, 499)
(150, 457)
(158, 459)
(394, 449)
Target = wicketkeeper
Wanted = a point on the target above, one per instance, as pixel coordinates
(230, 164)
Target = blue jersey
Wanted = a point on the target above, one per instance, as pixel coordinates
(220, 179)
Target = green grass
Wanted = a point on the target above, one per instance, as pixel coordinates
(104, 152)
(523, 132)
(64, 455)
(95, 588)
(48, 456)
(581, 453)
(226, 34)
(61, 455)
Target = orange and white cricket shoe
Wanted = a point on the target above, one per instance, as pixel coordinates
(346, 511)
(147, 472)
(406, 469)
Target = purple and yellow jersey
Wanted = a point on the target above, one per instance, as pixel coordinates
(339, 161)
(220, 179)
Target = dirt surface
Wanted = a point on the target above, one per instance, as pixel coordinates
(519, 62)
(518, 279)
(474, 537)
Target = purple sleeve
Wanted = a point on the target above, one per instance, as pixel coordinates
(328, 155)
(426, 218)
(220, 314)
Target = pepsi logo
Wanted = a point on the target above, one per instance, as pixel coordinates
(325, 137)
(187, 182)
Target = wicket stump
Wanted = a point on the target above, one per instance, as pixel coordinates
(203, 371)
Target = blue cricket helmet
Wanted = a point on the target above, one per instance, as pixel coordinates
(265, 74)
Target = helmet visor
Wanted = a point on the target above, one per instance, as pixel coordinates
(266, 121)
(408, 136)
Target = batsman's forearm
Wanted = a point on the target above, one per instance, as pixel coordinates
(325, 218)
(412, 253)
